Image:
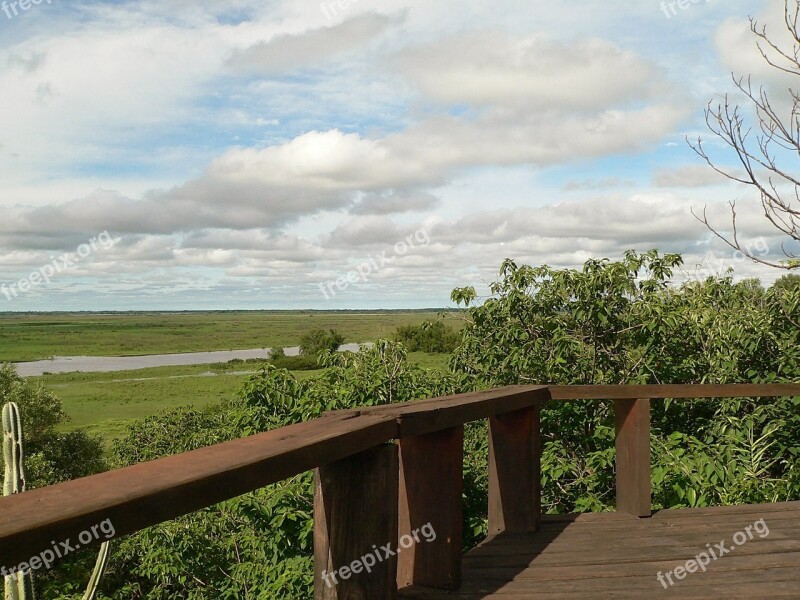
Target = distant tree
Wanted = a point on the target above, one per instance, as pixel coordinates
(317, 341)
(766, 156)
(428, 337)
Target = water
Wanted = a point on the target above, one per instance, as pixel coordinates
(107, 364)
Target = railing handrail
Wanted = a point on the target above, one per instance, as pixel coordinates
(153, 492)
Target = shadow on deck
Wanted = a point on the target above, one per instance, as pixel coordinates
(614, 555)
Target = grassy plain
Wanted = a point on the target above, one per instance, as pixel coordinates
(106, 403)
(26, 337)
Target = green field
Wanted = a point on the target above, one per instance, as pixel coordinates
(26, 337)
(106, 403)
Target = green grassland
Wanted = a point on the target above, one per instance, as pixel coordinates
(105, 403)
(25, 337)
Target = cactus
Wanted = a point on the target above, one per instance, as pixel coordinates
(97, 574)
(20, 587)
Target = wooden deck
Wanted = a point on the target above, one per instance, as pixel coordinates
(614, 555)
(382, 470)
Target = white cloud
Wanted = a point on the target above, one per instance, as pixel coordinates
(686, 176)
(314, 48)
(491, 68)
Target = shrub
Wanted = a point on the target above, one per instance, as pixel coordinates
(317, 341)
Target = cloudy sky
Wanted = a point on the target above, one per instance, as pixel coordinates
(247, 154)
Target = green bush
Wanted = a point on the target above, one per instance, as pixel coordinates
(317, 341)
(430, 337)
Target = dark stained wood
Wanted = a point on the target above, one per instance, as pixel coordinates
(515, 471)
(614, 555)
(355, 515)
(153, 492)
(431, 439)
(431, 484)
(426, 416)
(632, 392)
(633, 456)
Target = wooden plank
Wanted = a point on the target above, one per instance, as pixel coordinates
(153, 492)
(680, 391)
(633, 456)
(355, 510)
(436, 414)
(431, 484)
(515, 471)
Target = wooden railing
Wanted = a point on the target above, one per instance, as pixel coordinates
(380, 474)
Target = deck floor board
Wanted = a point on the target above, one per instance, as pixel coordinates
(611, 555)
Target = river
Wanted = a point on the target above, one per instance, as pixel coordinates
(104, 364)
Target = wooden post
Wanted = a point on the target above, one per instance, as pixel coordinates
(431, 483)
(633, 457)
(355, 510)
(515, 472)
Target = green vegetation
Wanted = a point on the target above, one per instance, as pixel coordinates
(317, 341)
(25, 337)
(428, 337)
(31, 415)
(106, 403)
(607, 323)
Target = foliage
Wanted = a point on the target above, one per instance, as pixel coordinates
(51, 456)
(428, 337)
(621, 322)
(21, 586)
(318, 341)
(610, 322)
(260, 544)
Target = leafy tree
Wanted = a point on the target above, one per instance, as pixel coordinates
(317, 341)
(428, 337)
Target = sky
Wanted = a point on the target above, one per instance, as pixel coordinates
(200, 154)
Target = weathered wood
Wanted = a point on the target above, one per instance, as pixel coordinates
(431, 483)
(355, 512)
(157, 491)
(435, 414)
(153, 492)
(586, 562)
(633, 456)
(515, 472)
(632, 392)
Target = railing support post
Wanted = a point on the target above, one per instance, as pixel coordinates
(515, 472)
(431, 483)
(633, 456)
(355, 510)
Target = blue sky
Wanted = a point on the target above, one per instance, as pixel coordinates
(250, 154)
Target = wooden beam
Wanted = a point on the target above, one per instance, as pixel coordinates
(431, 483)
(633, 457)
(355, 511)
(436, 414)
(153, 492)
(632, 392)
(515, 472)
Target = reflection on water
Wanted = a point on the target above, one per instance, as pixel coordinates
(101, 364)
